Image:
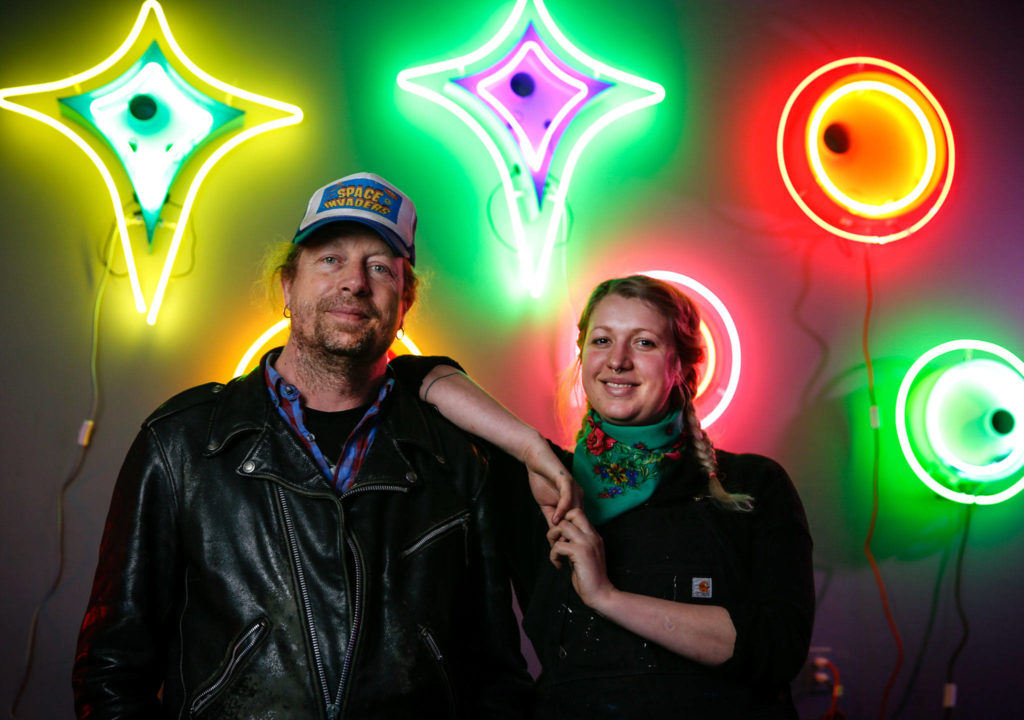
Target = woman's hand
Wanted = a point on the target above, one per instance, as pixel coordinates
(469, 406)
(551, 484)
(704, 633)
(576, 539)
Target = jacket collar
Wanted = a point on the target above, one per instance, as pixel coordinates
(243, 408)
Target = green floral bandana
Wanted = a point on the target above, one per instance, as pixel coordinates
(619, 466)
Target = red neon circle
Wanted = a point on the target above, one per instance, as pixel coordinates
(899, 167)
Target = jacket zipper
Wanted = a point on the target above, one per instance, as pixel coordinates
(357, 606)
(372, 487)
(304, 597)
(242, 647)
(441, 529)
(333, 708)
(435, 650)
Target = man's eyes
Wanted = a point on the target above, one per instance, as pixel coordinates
(376, 267)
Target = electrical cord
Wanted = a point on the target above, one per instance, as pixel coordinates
(926, 637)
(814, 335)
(949, 700)
(876, 435)
(84, 438)
(833, 712)
(135, 218)
(568, 218)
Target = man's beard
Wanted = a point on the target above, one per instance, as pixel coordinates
(367, 344)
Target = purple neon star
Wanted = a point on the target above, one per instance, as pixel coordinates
(536, 95)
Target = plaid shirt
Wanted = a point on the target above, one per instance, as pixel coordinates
(287, 400)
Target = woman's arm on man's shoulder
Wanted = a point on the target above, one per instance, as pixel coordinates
(443, 384)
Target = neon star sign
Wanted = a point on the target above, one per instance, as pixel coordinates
(536, 95)
(154, 121)
(536, 101)
(959, 415)
(122, 111)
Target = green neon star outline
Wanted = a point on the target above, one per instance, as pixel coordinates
(293, 115)
(430, 81)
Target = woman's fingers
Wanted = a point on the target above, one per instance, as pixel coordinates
(573, 527)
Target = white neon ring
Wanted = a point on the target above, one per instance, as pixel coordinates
(999, 470)
(904, 435)
(795, 194)
(730, 329)
(819, 169)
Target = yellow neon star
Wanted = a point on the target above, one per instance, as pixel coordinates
(293, 115)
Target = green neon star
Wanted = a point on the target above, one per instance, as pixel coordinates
(188, 126)
(625, 94)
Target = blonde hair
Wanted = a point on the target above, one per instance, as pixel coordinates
(684, 320)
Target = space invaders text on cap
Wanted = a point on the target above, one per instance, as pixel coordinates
(368, 199)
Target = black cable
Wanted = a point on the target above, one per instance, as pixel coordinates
(950, 687)
(926, 637)
(84, 444)
(800, 322)
(136, 218)
(568, 218)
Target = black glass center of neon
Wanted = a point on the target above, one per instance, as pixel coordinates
(836, 138)
(1002, 421)
(142, 107)
(522, 84)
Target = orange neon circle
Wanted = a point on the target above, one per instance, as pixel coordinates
(711, 357)
(868, 155)
(892, 160)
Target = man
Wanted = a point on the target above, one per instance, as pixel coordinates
(309, 541)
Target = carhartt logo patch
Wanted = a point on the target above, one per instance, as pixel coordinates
(700, 587)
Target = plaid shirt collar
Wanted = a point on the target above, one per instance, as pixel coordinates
(288, 401)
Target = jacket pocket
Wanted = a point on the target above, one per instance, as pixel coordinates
(240, 650)
(442, 666)
(438, 531)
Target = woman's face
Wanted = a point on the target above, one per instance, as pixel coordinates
(629, 363)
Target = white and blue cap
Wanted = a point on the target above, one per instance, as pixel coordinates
(368, 199)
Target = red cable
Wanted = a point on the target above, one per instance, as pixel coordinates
(874, 488)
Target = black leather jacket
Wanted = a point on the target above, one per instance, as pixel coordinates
(233, 582)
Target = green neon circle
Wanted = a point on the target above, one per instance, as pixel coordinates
(958, 472)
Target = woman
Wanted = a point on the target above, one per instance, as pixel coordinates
(689, 590)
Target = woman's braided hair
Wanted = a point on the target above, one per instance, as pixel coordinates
(684, 319)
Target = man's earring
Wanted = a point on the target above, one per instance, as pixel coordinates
(286, 312)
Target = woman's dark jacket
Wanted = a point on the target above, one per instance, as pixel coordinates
(680, 546)
(233, 582)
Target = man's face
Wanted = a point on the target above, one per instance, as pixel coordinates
(345, 296)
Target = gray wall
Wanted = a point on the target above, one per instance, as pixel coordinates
(691, 185)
